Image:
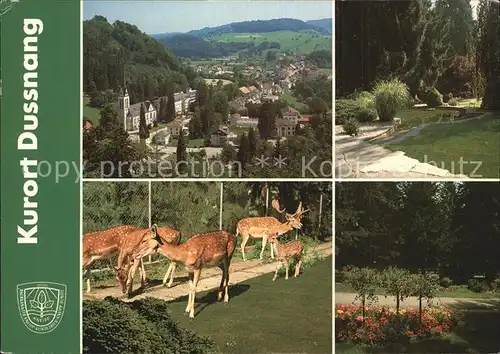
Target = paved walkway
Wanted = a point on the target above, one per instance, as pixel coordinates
(356, 158)
(487, 304)
(210, 279)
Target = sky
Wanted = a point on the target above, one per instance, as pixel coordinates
(155, 17)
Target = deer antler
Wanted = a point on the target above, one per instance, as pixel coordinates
(276, 205)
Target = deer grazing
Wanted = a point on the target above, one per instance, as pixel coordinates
(206, 250)
(260, 227)
(285, 253)
(104, 245)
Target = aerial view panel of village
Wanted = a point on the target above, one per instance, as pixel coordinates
(207, 89)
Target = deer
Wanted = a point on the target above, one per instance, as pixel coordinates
(205, 250)
(103, 245)
(255, 227)
(285, 253)
(128, 249)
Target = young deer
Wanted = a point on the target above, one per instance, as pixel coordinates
(104, 245)
(206, 250)
(255, 226)
(285, 253)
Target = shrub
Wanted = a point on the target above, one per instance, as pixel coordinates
(477, 285)
(447, 97)
(364, 281)
(143, 326)
(351, 127)
(382, 326)
(433, 98)
(445, 282)
(389, 96)
(453, 102)
(366, 115)
(426, 286)
(345, 109)
(495, 284)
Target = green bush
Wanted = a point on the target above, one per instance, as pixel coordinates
(366, 115)
(445, 282)
(478, 285)
(351, 127)
(143, 326)
(433, 98)
(345, 109)
(453, 102)
(495, 284)
(389, 96)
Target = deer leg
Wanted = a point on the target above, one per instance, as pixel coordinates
(287, 265)
(193, 298)
(264, 242)
(143, 273)
(173, 266)
(297, 268)
(278, 267)
(87, 277)
(244, 239)
(226, 286)
(191, 277)
(131, 275)
(272, 250)
(167, 274)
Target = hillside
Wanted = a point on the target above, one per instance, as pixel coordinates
(260, 26)
(325, 23)
(112, 51)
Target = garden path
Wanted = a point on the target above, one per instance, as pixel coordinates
(464, 303)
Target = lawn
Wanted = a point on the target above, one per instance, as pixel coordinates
(477, 332)
(461, 293)
(262, 316)
(193, 143)
(471, 148)
(90, 113)
(293, 102)
(302, 41)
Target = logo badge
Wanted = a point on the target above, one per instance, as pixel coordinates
(41, 305)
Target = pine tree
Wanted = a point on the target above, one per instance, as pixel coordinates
(143, 128)
(267, 119)
(170, 110)
(252, 143)
(243, 151)
(181, 153)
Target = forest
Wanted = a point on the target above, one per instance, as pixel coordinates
(439, 46)
(450, 228)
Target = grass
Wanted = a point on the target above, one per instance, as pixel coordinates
(262, 316)
(411, 118)
(477, 332)
(293, 102)
(471, 148)
(462, 293)
(91, 113)
(193, 143)
(302, 41)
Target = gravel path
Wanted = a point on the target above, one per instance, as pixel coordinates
(210, 279)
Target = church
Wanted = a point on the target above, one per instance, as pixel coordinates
(130, 115)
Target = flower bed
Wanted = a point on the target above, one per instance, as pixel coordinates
(382, 325)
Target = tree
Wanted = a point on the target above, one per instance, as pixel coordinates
(143, 128)
(243, 150)
(459, 13)
(181, 154)
(170, 109)
(109, 119)
(267, 116)
(221, 105)
(252, 143)
(488, 51)
(195, 125)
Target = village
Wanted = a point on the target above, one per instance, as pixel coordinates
(268, 83)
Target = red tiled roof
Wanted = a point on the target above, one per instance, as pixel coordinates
(244, 90)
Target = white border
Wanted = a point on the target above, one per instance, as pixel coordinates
(81, 180)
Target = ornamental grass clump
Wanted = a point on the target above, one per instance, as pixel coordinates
(389, 97)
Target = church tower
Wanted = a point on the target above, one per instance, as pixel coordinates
(123, 106)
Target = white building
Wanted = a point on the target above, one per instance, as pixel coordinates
(130, 115)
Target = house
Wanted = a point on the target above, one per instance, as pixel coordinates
(244, 90)
(130, 114)
(246, 122)
(162, 137)
(291, 114)
(284, 127)
(277, 90)
(304, 119)
(219, 136)
(174, 127)
(269, 98)
(87, 125)
(233, 118)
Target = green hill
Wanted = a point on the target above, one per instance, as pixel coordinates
(112, 52)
